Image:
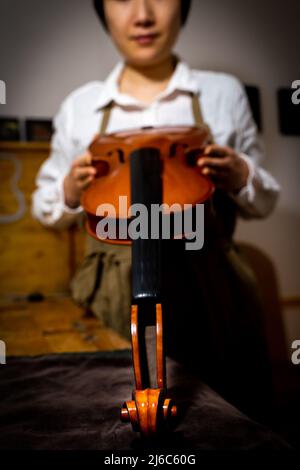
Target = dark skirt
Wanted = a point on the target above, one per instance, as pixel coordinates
(213, 319)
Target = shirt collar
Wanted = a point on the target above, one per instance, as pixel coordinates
(182, 79)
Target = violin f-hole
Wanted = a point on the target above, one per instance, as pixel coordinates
(120, 154)
(174, 147)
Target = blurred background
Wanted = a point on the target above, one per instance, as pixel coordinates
(47, 49)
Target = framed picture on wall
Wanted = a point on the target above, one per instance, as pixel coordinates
(10, 129)
(38, 130)
(255, 104)
(288, 112)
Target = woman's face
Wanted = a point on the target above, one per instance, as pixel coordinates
(129, 19)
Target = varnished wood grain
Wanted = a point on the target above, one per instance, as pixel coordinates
(53, 326)
(32, 257)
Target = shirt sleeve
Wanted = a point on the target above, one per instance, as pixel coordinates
(48, 200)
(258, 198)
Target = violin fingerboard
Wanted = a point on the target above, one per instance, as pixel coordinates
(146, 189)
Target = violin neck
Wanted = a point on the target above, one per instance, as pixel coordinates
(146, 189)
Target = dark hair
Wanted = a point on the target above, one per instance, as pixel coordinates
(185, 8)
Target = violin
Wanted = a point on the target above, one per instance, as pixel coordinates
(149, 166)
(183, 182)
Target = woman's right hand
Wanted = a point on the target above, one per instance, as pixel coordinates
(78, 179)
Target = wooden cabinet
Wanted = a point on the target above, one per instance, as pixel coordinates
(32, 258)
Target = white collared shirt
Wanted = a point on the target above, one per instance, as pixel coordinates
(225, 109)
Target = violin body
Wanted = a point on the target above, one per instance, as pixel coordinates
(183, 183)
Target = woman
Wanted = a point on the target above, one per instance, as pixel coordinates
(216, 320)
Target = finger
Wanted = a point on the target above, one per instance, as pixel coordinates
(83, 160)
(86, 182)
(81, 173)
(208, 172)
(217, 178)
(221, 163)
(220, 150)
(211, 172)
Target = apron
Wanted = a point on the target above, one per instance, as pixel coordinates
(212, 312)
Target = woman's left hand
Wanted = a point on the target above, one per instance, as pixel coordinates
(227, 169)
